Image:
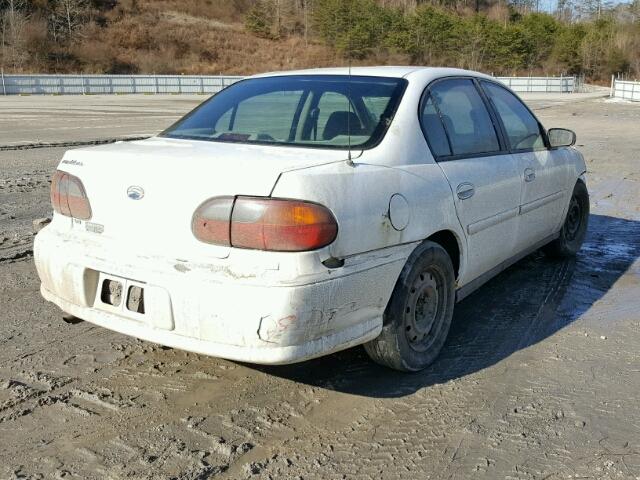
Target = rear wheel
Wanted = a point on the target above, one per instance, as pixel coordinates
(575, 225)
(418, 316)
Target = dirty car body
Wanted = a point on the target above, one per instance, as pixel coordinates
(272, 224)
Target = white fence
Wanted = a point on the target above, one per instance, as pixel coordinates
(625, 89)
(112, 84)
(541, 84)
(155, 84)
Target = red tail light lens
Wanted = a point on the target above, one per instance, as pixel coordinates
(68, 196)
(265, 224)
(210, 223)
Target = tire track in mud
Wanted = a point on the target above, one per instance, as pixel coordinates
(16, 224)
(496, 337)
(134, 436)
(526, 387)
(454, 424)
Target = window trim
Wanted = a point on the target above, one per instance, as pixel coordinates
(543, 131)
(402, 85)
(495, 121)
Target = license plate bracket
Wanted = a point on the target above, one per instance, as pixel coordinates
(111, 292)
(119, 294)
(134, 300)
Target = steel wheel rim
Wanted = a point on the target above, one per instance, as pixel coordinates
(574, 219)
(424, 309)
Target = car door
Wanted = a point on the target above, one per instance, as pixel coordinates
(484, 178)
(544, 171)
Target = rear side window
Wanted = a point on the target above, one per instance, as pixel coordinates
(465, 117)
(433, 129)
(523, 130)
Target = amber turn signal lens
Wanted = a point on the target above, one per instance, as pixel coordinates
(281, 225)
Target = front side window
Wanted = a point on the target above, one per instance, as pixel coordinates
(465, 117)
(328, 111)
(522, 128)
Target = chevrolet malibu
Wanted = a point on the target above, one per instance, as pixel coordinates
(297, 214)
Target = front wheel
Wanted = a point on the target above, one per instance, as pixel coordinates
(575, 225)
(418, 316)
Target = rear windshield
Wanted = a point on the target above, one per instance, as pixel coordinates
(327, 111)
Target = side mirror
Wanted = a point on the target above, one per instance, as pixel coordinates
(561, 137)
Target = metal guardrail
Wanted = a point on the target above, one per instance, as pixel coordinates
(541, 84)
(625, 89)
(195, 84)
(112, 84)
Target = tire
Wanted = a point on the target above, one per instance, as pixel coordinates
(418, 316)
(575, 225)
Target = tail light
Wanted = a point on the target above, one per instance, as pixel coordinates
(210, 223)
(68, 196)
(264, 224)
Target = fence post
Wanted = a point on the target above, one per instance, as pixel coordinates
(613, 86)
(4, 87)
(155, 81)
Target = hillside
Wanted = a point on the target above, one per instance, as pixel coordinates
(147, 36)
(247, 36)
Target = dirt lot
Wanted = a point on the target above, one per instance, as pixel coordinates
(540, 378)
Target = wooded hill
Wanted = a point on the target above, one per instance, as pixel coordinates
(591, 37)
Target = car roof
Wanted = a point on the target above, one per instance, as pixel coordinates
(382, 71)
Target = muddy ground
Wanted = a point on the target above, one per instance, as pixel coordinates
(540, 378)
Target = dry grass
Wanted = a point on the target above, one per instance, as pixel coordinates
(168, 37)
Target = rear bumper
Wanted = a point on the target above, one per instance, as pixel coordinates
(269, 355)
(200, 308)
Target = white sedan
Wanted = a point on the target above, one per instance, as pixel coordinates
(296, 214)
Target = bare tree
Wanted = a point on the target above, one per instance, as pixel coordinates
(67, 17)
(13, 21)
(634, 10)
(565, 10)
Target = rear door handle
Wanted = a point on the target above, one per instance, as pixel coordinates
(529, 175)
(465, 190)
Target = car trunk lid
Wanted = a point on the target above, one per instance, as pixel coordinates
(143, 194)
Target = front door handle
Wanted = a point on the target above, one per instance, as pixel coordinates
(465, 190)
(529, 175)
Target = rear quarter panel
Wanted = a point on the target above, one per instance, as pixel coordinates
(360, 195)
